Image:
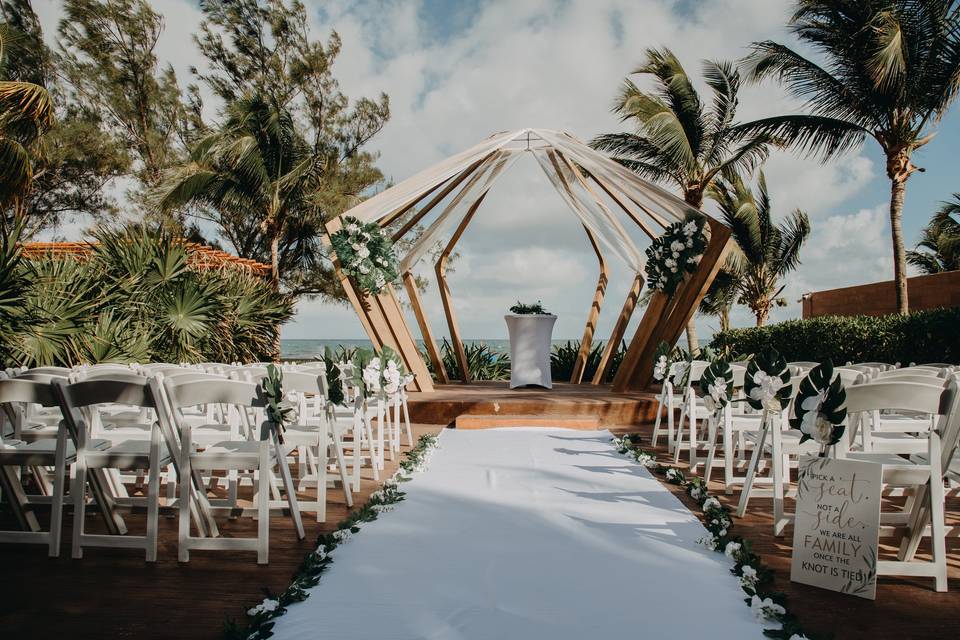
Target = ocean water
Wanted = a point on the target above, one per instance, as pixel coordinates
(308, 349)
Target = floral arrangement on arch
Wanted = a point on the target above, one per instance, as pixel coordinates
(676, 253)
(366, 254)
(819, 409)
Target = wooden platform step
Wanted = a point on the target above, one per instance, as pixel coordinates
(481, 421)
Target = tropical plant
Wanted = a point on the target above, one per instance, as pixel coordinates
(483, 362)
(134, 298)
(721, 296)
(77, 157)
(766, 251)
(939, 246)
(523, 309)
(891, 70)
(255, 166)
(26, 113)
(563, 359)
(678, 139)
(264, 48)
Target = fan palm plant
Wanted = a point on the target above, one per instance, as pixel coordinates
(939, 246)
(678, 139)
(892, 69)
(26, 113)
(766, 252)
(256, 167)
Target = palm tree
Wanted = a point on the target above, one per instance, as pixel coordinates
(722, 295)
(766, 252)
(892, 69)
(941, 239)
(255, 168)
(26, 113)
(679, 140)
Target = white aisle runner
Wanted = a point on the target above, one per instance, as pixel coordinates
(533, 534)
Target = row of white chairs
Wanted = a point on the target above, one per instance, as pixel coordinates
(906, 418)
(195, 428)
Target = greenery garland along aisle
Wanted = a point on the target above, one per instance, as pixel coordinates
(261, 618)
(755, 577)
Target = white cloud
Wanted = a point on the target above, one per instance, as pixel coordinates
(556, 65)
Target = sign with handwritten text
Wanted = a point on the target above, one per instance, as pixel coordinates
(836, 532)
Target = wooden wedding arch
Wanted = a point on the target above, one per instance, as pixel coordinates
(456, 187)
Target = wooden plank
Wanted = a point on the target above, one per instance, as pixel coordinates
(582, 423)
(642, 338)
(453, 184)
(687, 299)
(445, 295)
(630, 212)
(406, 345)
(619, 329)
(593, 316)
(410, 283)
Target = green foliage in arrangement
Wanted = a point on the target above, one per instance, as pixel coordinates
(522, 309)
(922, 336)
(134, 298)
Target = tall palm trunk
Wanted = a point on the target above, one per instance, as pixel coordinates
(692, 342)
(898, 187)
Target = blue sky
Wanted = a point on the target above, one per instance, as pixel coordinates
(458, 71)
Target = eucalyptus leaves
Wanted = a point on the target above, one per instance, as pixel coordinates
(675, 253)
(279, 411)
(365, 254)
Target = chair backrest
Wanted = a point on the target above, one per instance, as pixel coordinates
(898, 396)
(25, 390)
(849, 376)
(697, 367)
(950, 425)
(87, 393)
(213, 391)
(803, 364)
(910, 377)
(933, 372)
(50, 371)
(303, 382)
(739, 375)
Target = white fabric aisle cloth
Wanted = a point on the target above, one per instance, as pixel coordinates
(529, 534)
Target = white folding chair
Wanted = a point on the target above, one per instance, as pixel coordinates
(691, 410)
(261, 455)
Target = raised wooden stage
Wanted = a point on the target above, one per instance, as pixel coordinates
(508, 407)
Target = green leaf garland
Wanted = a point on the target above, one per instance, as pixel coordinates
(365, 254)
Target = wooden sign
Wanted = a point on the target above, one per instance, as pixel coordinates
(837, 526)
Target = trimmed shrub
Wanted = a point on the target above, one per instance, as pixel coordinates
(922, 336)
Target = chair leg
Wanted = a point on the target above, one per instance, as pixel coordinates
(262, 481)
(406, 421)
(711, 446)
(56, 507)
(341, 466)
(153, 496)
(323, 456)
(678, 442)
(752, 469)
(374, 456)
(186, 497)
(79, 492)
(656, 423)
(778, 493)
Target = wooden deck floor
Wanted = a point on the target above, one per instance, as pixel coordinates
(113, 594)
(905, 608)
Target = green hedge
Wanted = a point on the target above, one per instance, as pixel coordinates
(923, 336)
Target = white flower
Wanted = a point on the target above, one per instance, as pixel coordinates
(677, 246)
(732, 550)
(645, 459)
(356, 246)
(267, 606)
(364, 269)
(748, 577)
(765, 609)
(690, 228)
(353, 228)
(673, 474)
(709, 541)
(363, 252)
(660, 368)
(766, 390)
(670, 262)
(711, 503)
(798, 636)
(342, 535)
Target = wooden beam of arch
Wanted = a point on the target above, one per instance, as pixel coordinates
(451, 185)
(410, 283)
(593, 316)
(445, 296)
(619, 330)
(665, 318)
